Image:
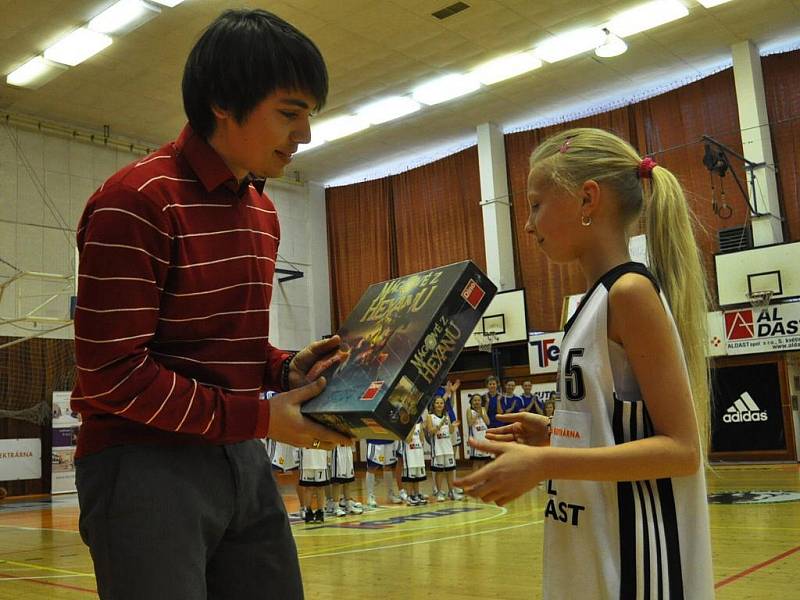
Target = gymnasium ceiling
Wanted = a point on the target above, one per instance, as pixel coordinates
(375, 48)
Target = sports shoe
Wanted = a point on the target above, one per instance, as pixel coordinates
(371, 502)
(319, 516)
(420, 499)
(339, 511)
(395, 498)
(440, 497)
(309, 516)
(458, 490)
(403, 495)
(411, 501)
(330, 507)
(454, 495)
(423, 496)
(354, 508)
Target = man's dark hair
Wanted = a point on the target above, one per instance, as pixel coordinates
(241, 58)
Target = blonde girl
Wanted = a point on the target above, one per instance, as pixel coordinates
(626, 513)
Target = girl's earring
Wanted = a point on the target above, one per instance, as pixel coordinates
(586, 220)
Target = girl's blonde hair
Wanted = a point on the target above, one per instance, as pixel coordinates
(578, 155)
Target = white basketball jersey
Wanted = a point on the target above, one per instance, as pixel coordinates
(314, 459)
(478, 431)
(441, 442)
(628, 539)
(413, 452)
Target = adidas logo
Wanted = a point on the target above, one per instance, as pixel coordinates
(744, 410)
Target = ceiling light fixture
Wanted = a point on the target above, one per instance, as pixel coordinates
(338, 127)
(445, 88)
(613, 46)
(506, 67)
(35, 73)
(646, 16)
(388, 109)
(123, 17)
(168, 3)
(712, 3)
(570, 44)
(77, 47)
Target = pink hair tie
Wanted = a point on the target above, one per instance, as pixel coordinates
(646, 168)
(565, 146)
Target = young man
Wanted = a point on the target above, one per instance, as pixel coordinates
(177, 257)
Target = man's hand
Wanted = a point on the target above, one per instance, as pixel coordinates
(517, 469)
(288, 425)
(311, 362)
(524, 428)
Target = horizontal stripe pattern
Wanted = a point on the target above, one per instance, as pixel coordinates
(171, 254)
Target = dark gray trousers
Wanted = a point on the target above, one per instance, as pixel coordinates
(187, 523)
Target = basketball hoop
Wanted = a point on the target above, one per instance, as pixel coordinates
(486, 340)
(760, 300)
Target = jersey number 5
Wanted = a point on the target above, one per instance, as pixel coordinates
(573, 376)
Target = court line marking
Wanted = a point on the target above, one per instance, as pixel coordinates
(38, 529)
(442, 539)
(340, 531)
(8, 578)
(54, 584)
(18, 563)
(754, 568)
(397, 536)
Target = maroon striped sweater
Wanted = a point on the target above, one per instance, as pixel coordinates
(174, 287)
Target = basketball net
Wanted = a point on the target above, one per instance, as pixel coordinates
(760, 300)
(486, 341)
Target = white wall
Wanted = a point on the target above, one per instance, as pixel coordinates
(35, 167)
(300, 307)
(68, 172)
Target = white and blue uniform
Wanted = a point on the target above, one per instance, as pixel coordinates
(414, 457)
(442, 456)
(478, 431)
(314, 471)
(629, 539)
(342, 470)
(382, 453)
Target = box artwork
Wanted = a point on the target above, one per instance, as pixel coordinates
(399, 344)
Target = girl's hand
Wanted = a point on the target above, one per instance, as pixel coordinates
(524, 428)
(517, 469)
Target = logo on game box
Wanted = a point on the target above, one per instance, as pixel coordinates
(739, 324)
(473, 293)
(372, 390)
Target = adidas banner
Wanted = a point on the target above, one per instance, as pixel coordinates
(747, 409)
(776, 328)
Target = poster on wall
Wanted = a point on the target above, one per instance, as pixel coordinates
(544, 350)
(776, 328)
(20, 459)
(65, 437)
(747, 409)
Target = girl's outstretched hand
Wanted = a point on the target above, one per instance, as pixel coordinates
(524, 428)
(517, 469)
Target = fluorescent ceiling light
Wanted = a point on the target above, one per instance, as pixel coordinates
(506, 67)
(318, 141)
(445, 88)
(570, 44)
(387, 109)
(712, 3)
(123, 17)
(77, 47)
(34, 73)
(646, 16)
(613, 46)
(168, 3)
(338, 127)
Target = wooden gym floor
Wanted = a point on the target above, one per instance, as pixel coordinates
(443, 550)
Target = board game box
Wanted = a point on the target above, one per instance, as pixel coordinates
(398, 345)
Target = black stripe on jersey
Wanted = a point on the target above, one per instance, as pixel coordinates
(627, 540)
(656, 522)
(616, 421)
(671, 534)
(645, 558)
(632, 433)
